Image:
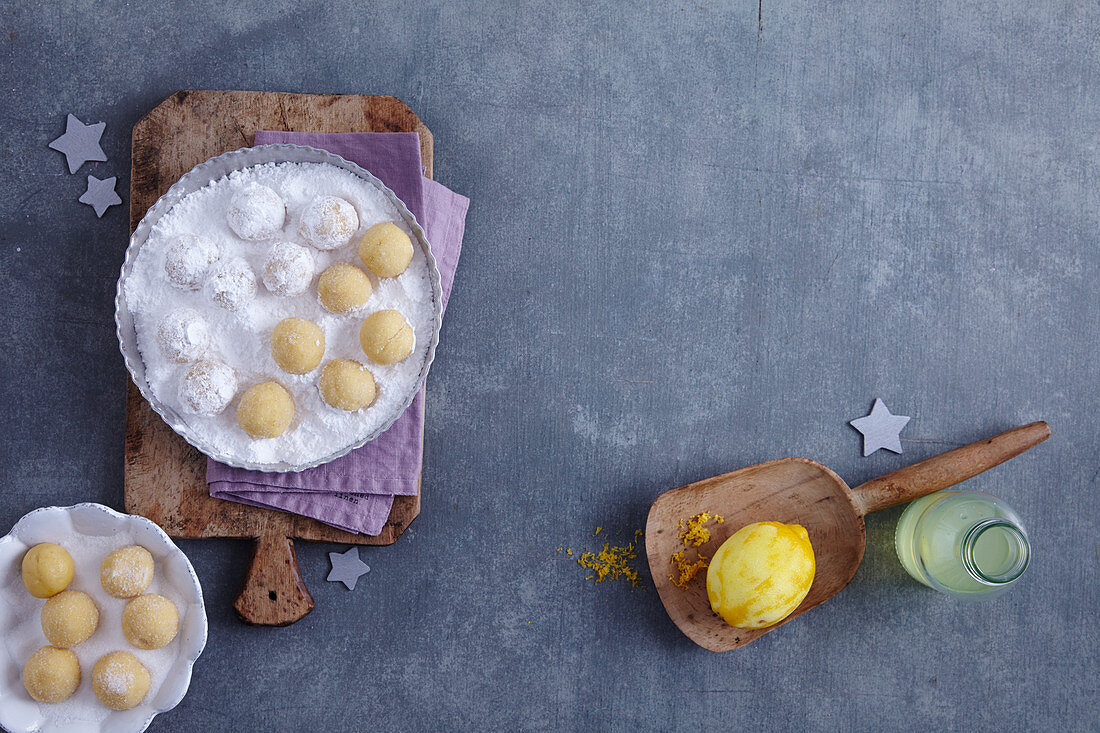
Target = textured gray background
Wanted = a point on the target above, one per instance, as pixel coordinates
(702, 235)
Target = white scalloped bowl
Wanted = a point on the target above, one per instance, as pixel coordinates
(93, 524)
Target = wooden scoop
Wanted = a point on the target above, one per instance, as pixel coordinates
(800, 491)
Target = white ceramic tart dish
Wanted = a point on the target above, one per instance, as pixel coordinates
(88, 532)
(201, 204)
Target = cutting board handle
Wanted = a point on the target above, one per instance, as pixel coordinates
(947, 469)
(273, 593)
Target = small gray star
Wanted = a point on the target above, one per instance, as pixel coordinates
(880, 429)
(347, 567)
(100, 194)
(80, 143)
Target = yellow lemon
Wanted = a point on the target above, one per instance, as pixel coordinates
(760, 574)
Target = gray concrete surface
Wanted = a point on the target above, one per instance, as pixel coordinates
(703, 235)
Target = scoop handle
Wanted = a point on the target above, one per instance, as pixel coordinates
(947, 469)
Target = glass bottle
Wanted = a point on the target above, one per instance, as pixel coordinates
(967, 544)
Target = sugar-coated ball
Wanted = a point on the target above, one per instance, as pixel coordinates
(183, 335)
(150, 621)
(386, 337)
(188, 259)
(343, 288)
(288, 269)
(126, 572)
(51, 674)
(256, 212)
(297, 345)
(208, 387)
(69, 618)
(47, 570)
(346, 385)
(232, 284)
(265, 410)
(120, 681)
(328, 222)
(386, 250)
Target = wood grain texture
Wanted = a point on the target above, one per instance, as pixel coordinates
(947, 469)
(273, 588)
(800, 491)
(164, 477)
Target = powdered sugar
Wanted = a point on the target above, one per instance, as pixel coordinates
(255, 212)
(183, 335)
(289, 269)
(241, 338)
(232, 284)
(208, 387)
(328, 222)
(188, 259)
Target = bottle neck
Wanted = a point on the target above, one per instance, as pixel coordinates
(995, 551)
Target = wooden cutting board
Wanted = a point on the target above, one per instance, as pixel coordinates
(165, 478)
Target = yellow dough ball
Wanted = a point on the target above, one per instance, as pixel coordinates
(126, 572)
(386, 337)
(69, 618)
(346, 385)
(120, 681)
(297, 345)
(47, 570)
(343, 288)
(51, 674)
(386, 250)
(150, 621)
(760, 574)
(265, 410)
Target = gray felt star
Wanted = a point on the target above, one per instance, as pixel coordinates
(347, 567)
(880, 429)
(80, 143)
(100, 194)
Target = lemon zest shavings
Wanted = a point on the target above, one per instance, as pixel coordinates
(610, 563)
(693, 533)
(688, 571)
(695, 530)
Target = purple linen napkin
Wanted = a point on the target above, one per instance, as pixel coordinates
(355, 492)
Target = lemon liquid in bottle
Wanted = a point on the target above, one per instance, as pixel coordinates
(968, 544)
